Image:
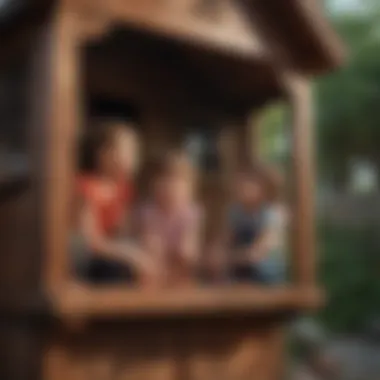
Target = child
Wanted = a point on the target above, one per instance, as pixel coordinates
(250, 236)
(272, 267)
(245, 225)
(171, 223)
(105, 191)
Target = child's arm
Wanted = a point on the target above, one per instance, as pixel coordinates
(256, 251)
(104, 247)
(184, 260)
(148, 235)
(189, 246)
(265, 242)
(125, 229)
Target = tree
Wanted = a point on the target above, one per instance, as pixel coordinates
(349, 100)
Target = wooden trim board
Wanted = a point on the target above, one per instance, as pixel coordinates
(81, 301)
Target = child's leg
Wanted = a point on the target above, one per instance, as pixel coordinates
(143, 268)
(244, 274)
(102, 271)
(271, 271)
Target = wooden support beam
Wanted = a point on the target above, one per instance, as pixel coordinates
(226, 28)
(247, 139)
(16, 38)
(303, 40)
(254, 123)
(57, 113)
(303, 226)
(80, 300)
(330, 43)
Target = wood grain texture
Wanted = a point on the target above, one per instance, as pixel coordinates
(304, 40)
(109, 353)
(61, 90)
(108, 302)
(227, 29)
(19, 259)
(274, 353)
(20, 351)
(224, 353)
(220, 349)
(303, 168)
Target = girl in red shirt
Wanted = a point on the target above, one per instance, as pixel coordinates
(104, 191)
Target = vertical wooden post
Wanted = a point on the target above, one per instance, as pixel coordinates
(247, 139)
(60, 118)
(254, 123)
(243, 146)
(303, 176)
(227, 146)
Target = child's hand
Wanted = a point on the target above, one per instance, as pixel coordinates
(241, 256)
(136, 256)
(186, 254)
(154, 245)
(150, 272)
(248, 256)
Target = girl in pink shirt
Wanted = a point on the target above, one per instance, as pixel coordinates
(171, 221)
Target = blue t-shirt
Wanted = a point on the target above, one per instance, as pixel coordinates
(245, 225)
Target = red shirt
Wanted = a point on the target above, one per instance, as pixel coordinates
(108, 204)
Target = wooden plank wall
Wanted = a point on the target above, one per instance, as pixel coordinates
(169, 350)
(20, 254)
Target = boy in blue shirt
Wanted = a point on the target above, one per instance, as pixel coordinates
(255, 223)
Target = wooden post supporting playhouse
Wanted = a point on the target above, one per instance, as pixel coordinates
(303, 182)
(59, 86)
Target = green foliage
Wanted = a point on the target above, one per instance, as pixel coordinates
(348, 101)
(348, 125)
(273, 133)
(350, 272)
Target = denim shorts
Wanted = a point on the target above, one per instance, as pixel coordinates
(104, 271)
(95, 270)
(269, 271)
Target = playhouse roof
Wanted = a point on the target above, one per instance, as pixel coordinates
(297, 27)
(236, 46)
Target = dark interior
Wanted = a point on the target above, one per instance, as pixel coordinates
(151, 69)
(109, 107)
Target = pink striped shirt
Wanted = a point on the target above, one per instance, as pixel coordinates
(170, 228)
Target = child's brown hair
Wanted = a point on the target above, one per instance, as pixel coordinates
(251, 170)
(267, 175)
(173, 163)
(101, 136)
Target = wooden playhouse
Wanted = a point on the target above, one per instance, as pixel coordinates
(188, 66)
